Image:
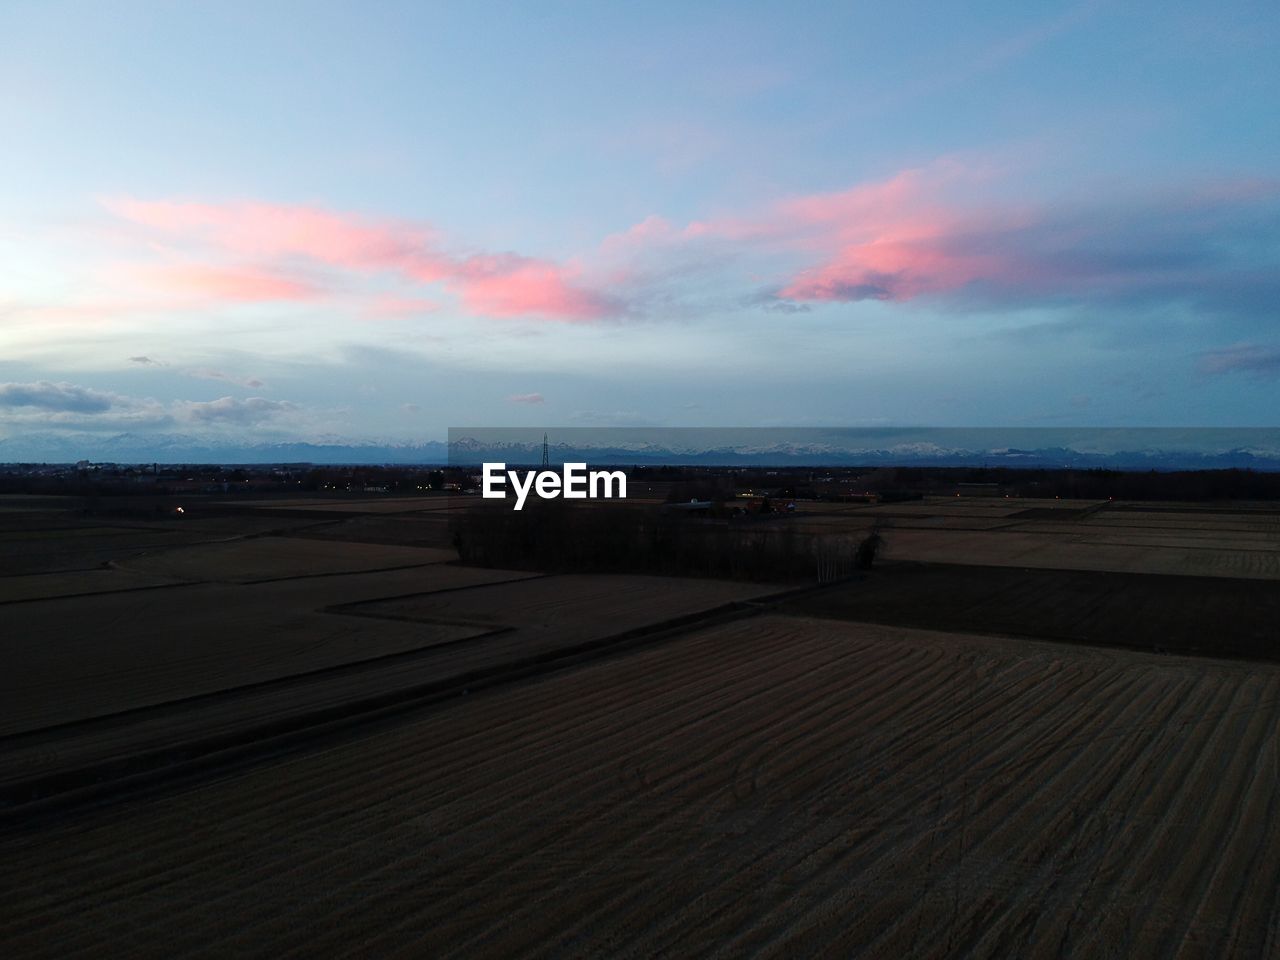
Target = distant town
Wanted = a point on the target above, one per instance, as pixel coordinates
(724, 487)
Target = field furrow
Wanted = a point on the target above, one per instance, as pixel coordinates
(778, 786)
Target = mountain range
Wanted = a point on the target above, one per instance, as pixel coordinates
(468, 450)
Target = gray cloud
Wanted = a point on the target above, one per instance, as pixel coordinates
(1243, 358)
(253, 383)
(47, 395)
(861, 291)
(67, 406)
(769, 300)
(1208, 247)
(1213, 252)
(231, 410)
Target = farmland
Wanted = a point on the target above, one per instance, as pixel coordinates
(1168, 614)
(300, 728)
(1235, 542)
(777, 786)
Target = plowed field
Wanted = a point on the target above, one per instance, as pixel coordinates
(774, 787)
(70, 658)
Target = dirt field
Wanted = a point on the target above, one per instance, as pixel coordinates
(277, 558)
(570, 608)
(1209, 616)
(305, 733)
(1232, 541)
(44, 586)
(174, 642)
(376, 505)
(77, 657)
(416, 530)
(61, 550)
(57, 534)
(98, 680)
(1085, 550)
(775, 787)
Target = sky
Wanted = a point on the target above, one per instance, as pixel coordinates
(352, 222)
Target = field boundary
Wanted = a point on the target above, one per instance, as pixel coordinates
(97, 593)
(200, 699)
(916, 594)
(333, 573)
(351, 666)
(63, 789)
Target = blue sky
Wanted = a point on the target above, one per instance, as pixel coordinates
(373, 222)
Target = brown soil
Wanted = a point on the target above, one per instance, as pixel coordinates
(1196, 615)
(774, 787)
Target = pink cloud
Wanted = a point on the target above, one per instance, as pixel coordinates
(899, 238)
(944, 229)
(262, 230)
(865, 208)
(527, 398)
(91, 312)
(889, 239)
(893, 239)
(269, 236)
(509, 286)
(917, 235)
(900, 264)
(652, 230)
(221, 284)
